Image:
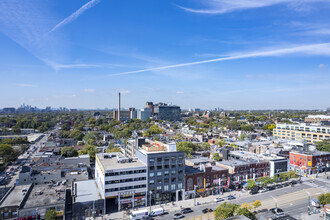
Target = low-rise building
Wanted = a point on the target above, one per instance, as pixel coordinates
(310, 162)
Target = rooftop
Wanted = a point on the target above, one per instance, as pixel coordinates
(87, 191)
(237, 162)
(16, 196)
(111, 161)
(312, 153)
(42, 195)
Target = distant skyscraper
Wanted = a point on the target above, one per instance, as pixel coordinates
(167, 112)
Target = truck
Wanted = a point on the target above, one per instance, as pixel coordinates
(139, 214)
(157, 212)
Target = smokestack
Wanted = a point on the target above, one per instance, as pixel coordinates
(118, 106)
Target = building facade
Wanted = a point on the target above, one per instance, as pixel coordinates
(167, 112)
(121, 181)
(302, 132)
(310, 162)
(165, 168)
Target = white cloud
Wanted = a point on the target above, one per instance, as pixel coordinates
(224, 6)
(89, 90)
(75, 15)
(179, 92)
(321, 65)
(310, 49)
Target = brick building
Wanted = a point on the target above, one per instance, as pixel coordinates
(310, 162)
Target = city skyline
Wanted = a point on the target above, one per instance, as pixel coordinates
(195, 54)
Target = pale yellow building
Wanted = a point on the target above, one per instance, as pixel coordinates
(311, 133)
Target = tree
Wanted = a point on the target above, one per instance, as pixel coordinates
(246, 205)
(91, 137)
(323, 145)
(251, 184)
(65, 127)
(91, 150)
(50, 214)
(225, 210)
(256, 204)
(216, 157)
(113, 149)
(324, 199)
(246, 212)
(69, 152)
(7, 153)
(205, 146)
(77, 135)
(187, 147)
(16, 129)
(243, 136)
(222, 142)
(264, 181)
(154, 129)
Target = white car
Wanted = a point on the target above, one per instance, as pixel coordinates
(219, 199)
(262, 190)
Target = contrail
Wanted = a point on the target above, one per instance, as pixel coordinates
(312, 49)
(76, 14)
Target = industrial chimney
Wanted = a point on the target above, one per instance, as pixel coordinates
(118, 106)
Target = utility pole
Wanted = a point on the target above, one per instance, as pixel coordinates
(93, 212)
(309, 203)
(194, 195)
(150, 201)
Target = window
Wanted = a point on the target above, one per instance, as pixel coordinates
(159, 160)
(173, 172)
(173, 166)
(151, 181)
(159, 167)
(180, 186)
(173, 187)
(152, 167)
(166, 180)
(159, 188)
(167, 166)
(152, 160)
(151, 174)
(166, 173)
(159, 173)
(166, 188)
(173, 179)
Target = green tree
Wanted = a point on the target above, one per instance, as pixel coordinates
(222, 142)
(91, 150)
(113, 149)
(154, 129)
(324, 199)
(187, 147)
(69, 152)
(216, 157)
(225, 210)
(264, 181)
(251, 184)
(178, 136)
(205, 146)
(7, 153)
(76, 135)
(243, 136)
(65, 127)
(323, 145)
(16, 129)
(91, 137)
(50, 214)
(246, 212)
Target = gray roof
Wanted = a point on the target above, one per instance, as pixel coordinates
(16, 196)
(87, 191)
(111, 163)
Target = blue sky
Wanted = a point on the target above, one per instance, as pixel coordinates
(194, 53)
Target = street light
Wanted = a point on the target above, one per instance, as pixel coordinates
(309, 203)
(195, 186)
(275, 204)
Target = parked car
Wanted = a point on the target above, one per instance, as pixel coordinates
(274, 211)
(294, 182)
(262, 190)
(186, 210)
(230, 197)
(286, 184)
(252, 192)
(279, 215)
(219, 199)
(271, 188)
(178, 216)
(279, 186)
(207, 210)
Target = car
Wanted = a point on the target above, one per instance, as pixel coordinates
(273, 210)
(279, 215)
(219, 199)
(230, 197)
(178, 216)
(279, 186)
(286, 184)
(186, 210)
(262, 190)
(207, 210)
(252, 192)
(271, 188)
(294, 182)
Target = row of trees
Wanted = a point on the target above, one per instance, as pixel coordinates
(323, 145)
(228, 210)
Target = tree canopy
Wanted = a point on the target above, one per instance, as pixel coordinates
(154, 129)
(50, 214)
(323, 145)
(91, 150)
(69, 152)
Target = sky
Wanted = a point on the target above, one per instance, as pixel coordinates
(240, 54)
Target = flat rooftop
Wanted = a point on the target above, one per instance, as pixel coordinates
(42, 195)
(16, 196)
(111, 162)
(237, 162)
(87, 191)
(312, 153)
(198, 160)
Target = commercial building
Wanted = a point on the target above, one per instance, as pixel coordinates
(240, 171)
(121, 181)
(165, 168)
(310, 133)
(163, 111)
(310, 162)
(277, 164)
(144, 114)
(203, 177)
